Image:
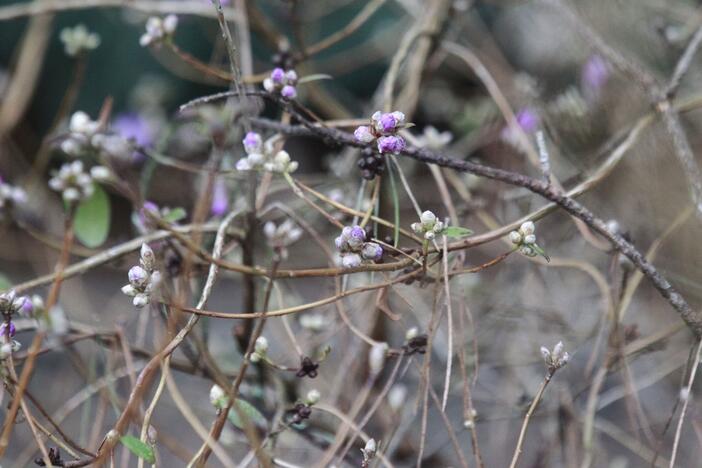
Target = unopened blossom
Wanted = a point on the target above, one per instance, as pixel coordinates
(397, 396)
(263, 156)
(354, 249)
(220, 197)
(433, 139)
(282, 82)
(143, 278)
(391, 144)
(376, 357)
(260, 349)
(313, 397)
(158, 29)
(428, 226)
(525, 240)
(555, 358)
(594, 75)
(81, 131)
(369, 451)
(78, 39)
(383, 130)
(72, 182)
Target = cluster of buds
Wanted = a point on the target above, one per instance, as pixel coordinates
(369, 451)
(281, 236)
(74, 183)
(78, 39)
(556, 358)
(354, 249)
(87, 136)
(143, 278)
(428, 226)
(414, 342)
(158, 30)
(262, 156)
(10, 195)
(260, 350)
(283, 82)
(383, 130)
(10, 305)
(525, 240)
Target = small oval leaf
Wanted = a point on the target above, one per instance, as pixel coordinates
(456, 231)
(92, 221)
(138, 448)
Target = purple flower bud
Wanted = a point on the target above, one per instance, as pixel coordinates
(391, 144)
(137, 276)
(363, 134)
(277, 75)
(357, 233)
(27, 307)
(388, 124)
(528, 120)
(351, 260)
(4, 330)
(594, 74)
(134, 126)
(288, 92)
(220, 198)
(252, 142)
(372, 251)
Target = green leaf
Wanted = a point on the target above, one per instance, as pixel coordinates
(92, 222)
(251, 413)
(175, 214)
(456, 231)
(315, 77)
(138, 448)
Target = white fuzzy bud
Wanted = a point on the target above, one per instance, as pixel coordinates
(411, 333)
(376, 357)
(313, 397)
(515, 237)
(527, 228)
(261, 346)
(428, 218)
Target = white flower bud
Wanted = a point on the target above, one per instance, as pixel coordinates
(148, 259)
(129, 290)
(255, 357)
(546, 354)
(411, 333)
(428, 218)
(430, 235)
(313, 397)
(515, 237)
(527, 228)
(170, 23)
(261, 346)
(217, 396)
(370, 449)
(530, 239)
(376, 357)
(397, 396)
(140, 300)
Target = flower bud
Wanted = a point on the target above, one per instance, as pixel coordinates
(372, 251)
(288, 92)
(527, 228)
(515, 237)
(261, 345)
(313, 397)
(351, 260)
(148, 259)
(530, 239)
(363, 134)
(411, 333)
(428, 218)
(397, 396)
(138, 276)
(376, 357)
